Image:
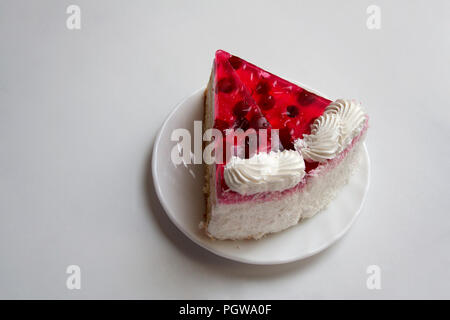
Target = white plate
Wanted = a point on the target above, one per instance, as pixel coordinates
(179, 188)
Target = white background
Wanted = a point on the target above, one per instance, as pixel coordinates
(79, 111)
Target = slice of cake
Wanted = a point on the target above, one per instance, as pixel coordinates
(266, 189)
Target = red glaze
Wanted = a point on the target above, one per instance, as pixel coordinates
(234, 106)
(247, 96)
(287, 107)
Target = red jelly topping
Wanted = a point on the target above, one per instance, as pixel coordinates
(248, 97)
(285, 105)
(234, 106)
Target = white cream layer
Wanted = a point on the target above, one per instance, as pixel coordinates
(273, 171)
(333, 131)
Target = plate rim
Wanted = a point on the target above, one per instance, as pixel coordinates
(188, 234)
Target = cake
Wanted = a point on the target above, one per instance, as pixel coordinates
(279, 152)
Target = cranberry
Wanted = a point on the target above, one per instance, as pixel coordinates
(259, 122)
(292, 111)
(221, 125)
(226, 85)
(305, 98)
(262, 87)
(266, 102)
(235, 62)
(241, 108)
(285, 138)
(241, 123)
(310, 166)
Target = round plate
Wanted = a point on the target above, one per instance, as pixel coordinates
(179, 188)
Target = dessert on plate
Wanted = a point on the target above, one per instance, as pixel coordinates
(306, 147)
